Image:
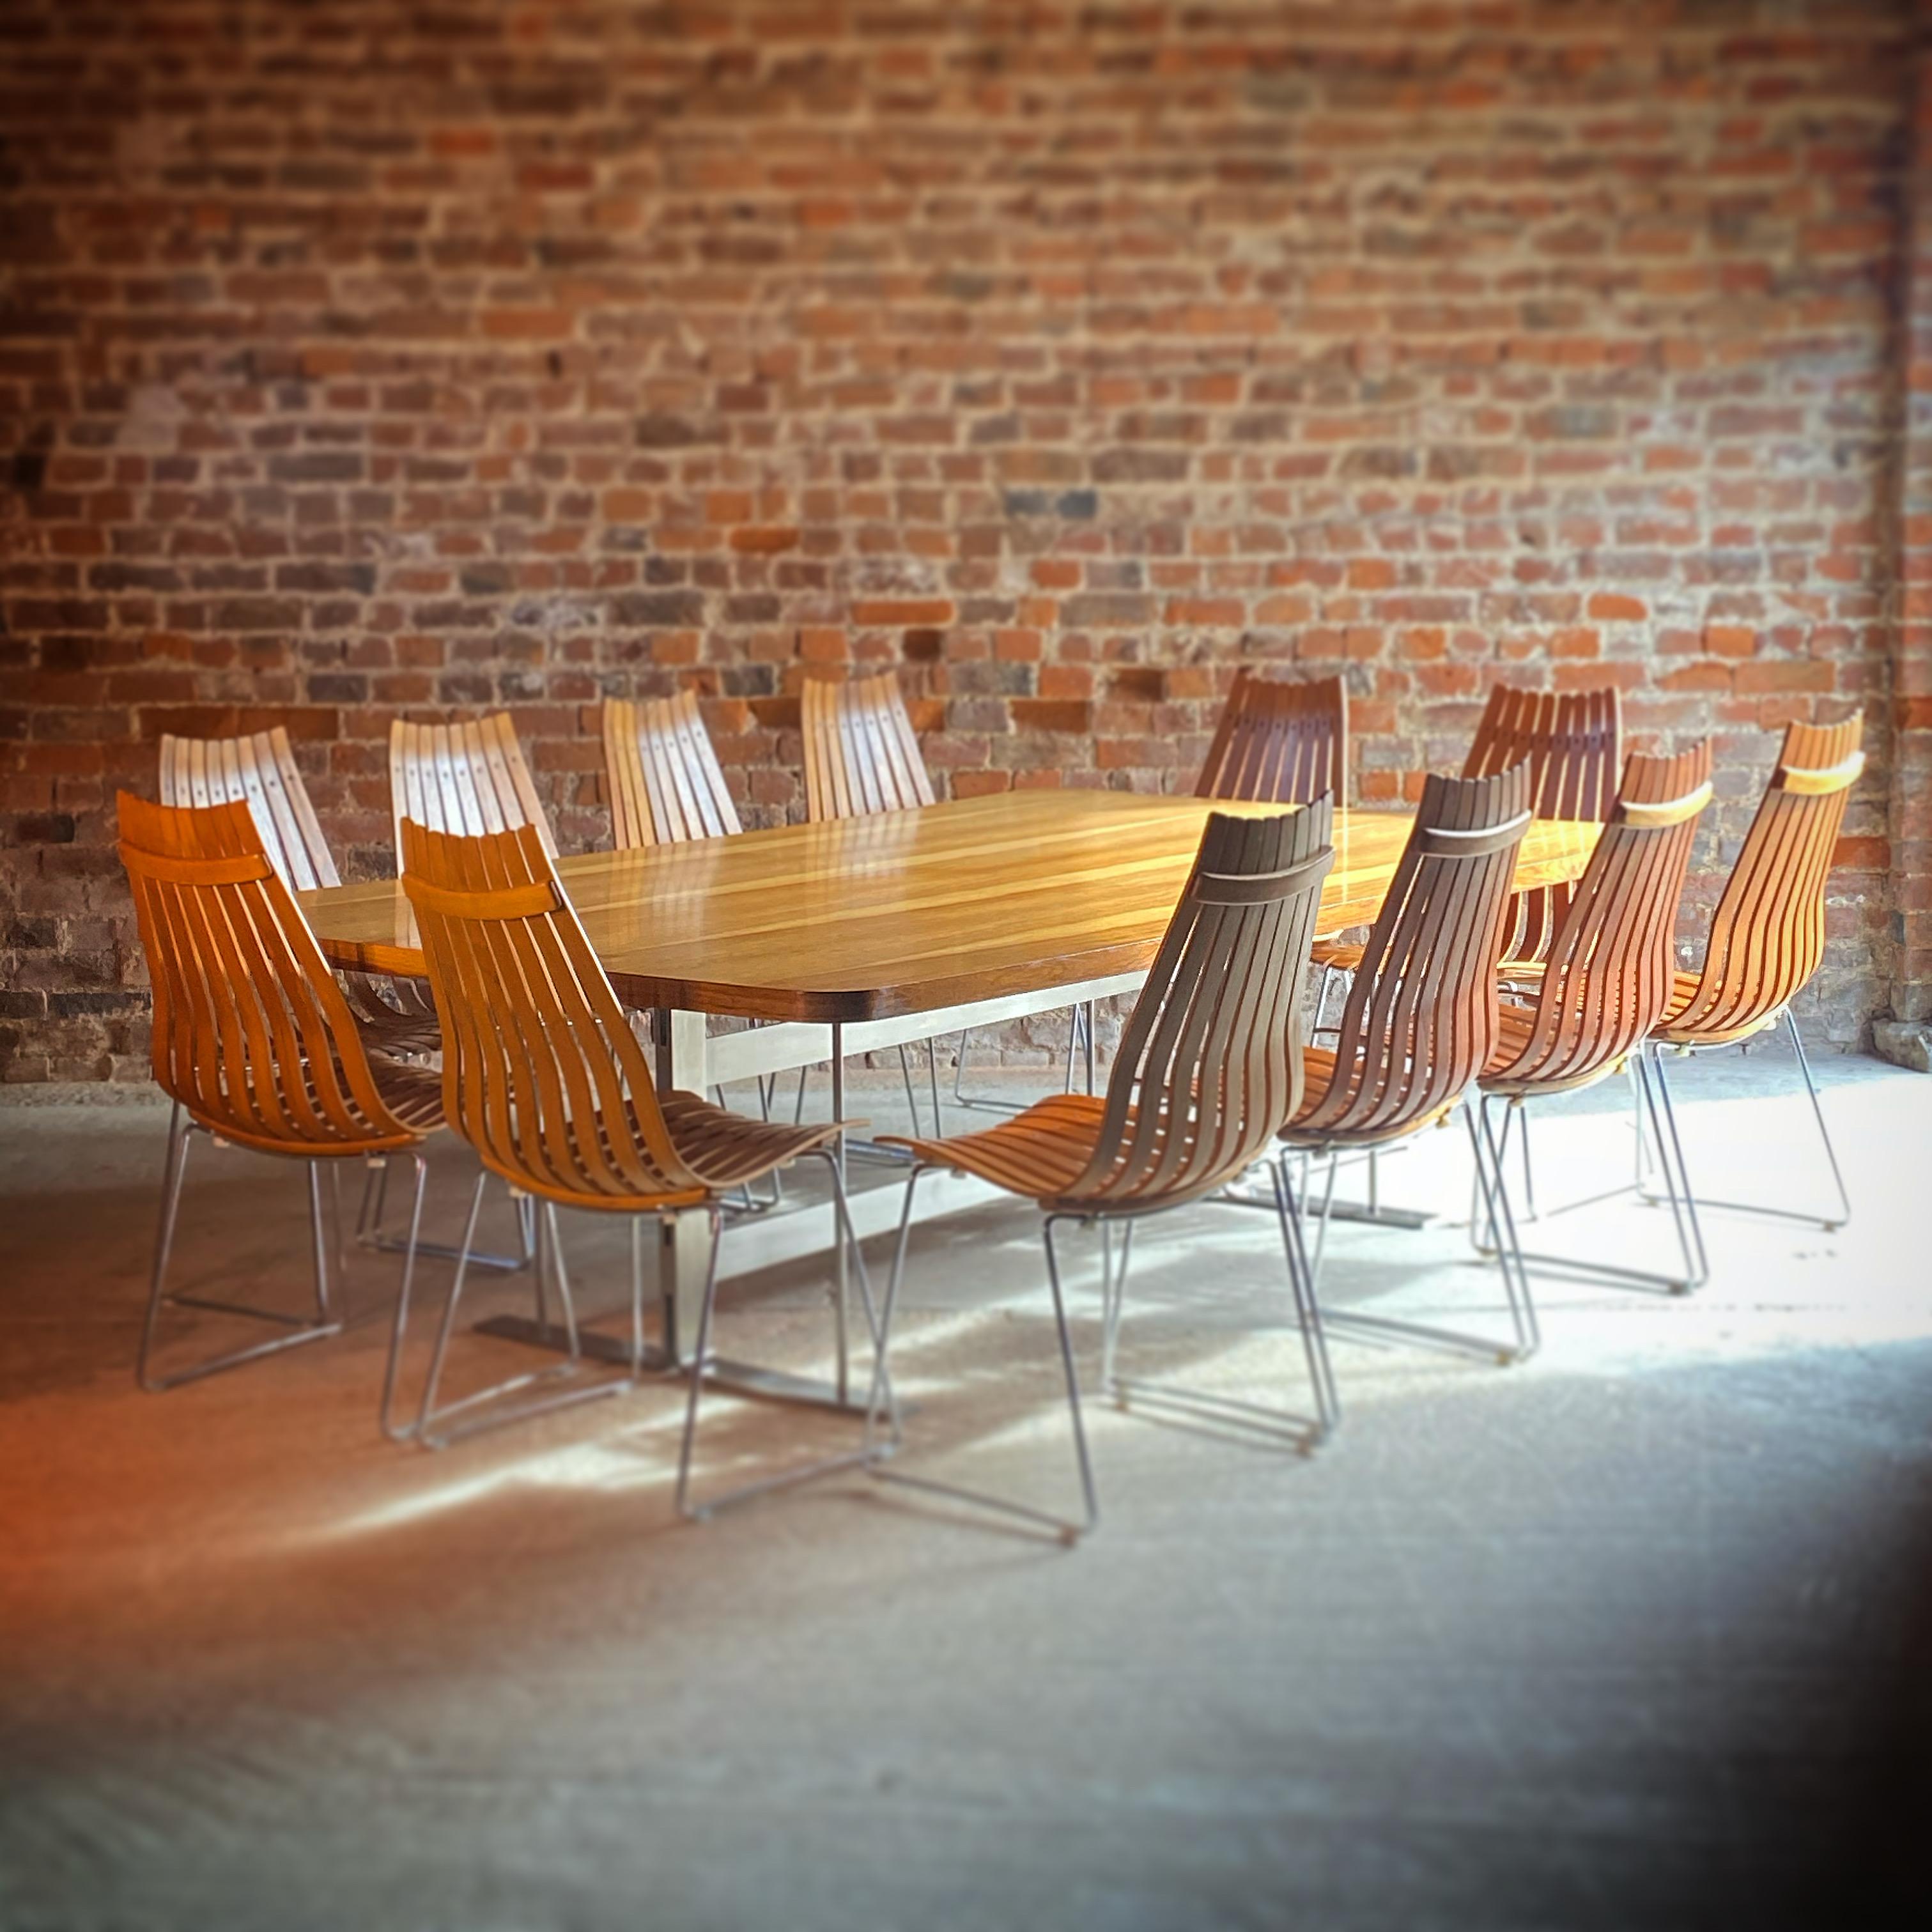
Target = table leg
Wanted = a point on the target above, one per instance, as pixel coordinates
(684, 1245)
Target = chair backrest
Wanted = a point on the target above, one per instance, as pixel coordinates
(1281, 740)
(261, 770)
(541, 1073)
(1421, 1020)
(1768, 934)
(1210, 1063)
(860, 754)
(665, 782)
(1573, 740)
(1609, 973)
(469, 778)
(251, 1034)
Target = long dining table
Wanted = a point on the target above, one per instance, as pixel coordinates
(850, 936)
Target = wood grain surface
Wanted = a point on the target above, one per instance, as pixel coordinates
(901, 912)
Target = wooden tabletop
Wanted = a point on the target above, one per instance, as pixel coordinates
(865, 918)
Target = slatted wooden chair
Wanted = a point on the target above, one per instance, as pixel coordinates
(1607, 978)
(1421, 1023)
(862, 757)
(664, 779)
(1767, 938)
(469, 778)
(1280, 739)
(543, 1077)
(253, 1041)
(260, 770)
(1209, 1066)
(1571, 741)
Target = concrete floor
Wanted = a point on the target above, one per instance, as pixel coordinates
(1634, 1636)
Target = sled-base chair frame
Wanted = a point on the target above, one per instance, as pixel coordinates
(1419, 1024)
(544, 1076)
(1209, 1066)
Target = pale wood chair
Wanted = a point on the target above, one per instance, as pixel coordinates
(260, 770)
(862, 757)
(544, 1079)
(1767, 939)
(665, 782)
(253, 1041)
(1209, 1066)
(1421, 1023)
(469, 778)
(1607, 979)
(1280, 739)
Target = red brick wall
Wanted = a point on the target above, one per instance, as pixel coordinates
(358, 356)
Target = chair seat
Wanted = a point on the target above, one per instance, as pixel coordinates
(1039, 1153)
(1341, 955)
(1683, 997)
(1507, 1072)
(385, 1030)
(729, 1149)
(1322, 1068)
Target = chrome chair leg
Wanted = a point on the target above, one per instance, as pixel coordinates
(858, 1458)
(173, 1174)
(1068, 1531)
(1501, 1222)
(485, 1408)
(1830, 1222)
(1681, 1197)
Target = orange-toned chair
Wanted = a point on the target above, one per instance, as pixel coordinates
(543, 1077)
(253, 1041)
(1421, 1023)
(260, 770)
(1767, 939)
(1209, 1067)
(1606, 979)
(470, 777)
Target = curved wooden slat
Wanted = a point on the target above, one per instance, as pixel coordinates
(1283, 740)
(469, 778)
(1608, 979)
(1421, 1020)
(1210, 1063)
(541, 1073)
(861, 755)
(251, 1034)
(664, 779)
(1768, 933)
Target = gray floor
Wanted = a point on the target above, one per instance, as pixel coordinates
(1634, 1636)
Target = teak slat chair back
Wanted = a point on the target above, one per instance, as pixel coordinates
(251, 1034)
(541, 1073)
(666, 783)
(469, 777)
(1574, 742)
(1768, 934)
(861, 755)
(1608, 976)
(1283, 740)
(261, 770)
(1210, 1064)
(1421, 1020)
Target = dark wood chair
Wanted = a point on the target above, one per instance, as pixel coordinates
(1280, 739)
(1421, 1023)
(1608, 977)
(1209, 1066)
